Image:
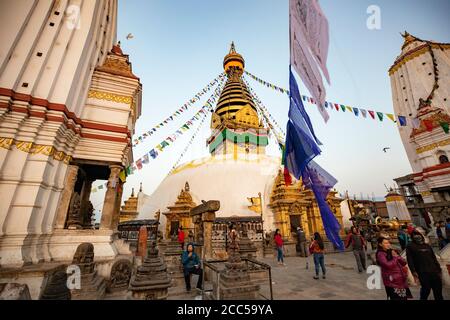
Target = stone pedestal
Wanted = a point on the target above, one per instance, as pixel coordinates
(92, 286)
(172, 257)
(151, 281)
(247, 248)
(235, 282)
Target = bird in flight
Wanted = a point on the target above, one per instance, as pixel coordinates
(386, 149)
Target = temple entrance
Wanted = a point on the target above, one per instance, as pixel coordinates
(295, 222)
(174, 225)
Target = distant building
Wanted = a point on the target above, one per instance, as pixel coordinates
(419, 79)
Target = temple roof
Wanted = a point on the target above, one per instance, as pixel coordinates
(117, 63)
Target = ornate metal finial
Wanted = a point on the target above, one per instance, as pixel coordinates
(118, 44)
(186, 186)
(132, 192)
(232, 48)
(140, 188)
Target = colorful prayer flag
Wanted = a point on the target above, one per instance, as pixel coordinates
(415, 122)
(380, 115)
(139, 164)
(428, 124)
(390, 116)
(153, 153)
(402, 120)
(444, 126)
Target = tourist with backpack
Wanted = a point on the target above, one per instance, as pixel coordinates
(359, 247)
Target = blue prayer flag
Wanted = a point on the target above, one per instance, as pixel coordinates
(321, 182)
(402, 120)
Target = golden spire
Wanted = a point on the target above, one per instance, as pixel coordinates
(233, 61)
(235, 105)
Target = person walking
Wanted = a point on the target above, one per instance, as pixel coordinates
(403, 237)
(301, 237)
(317, 249)
(447, 229)
(359, 247)
(180, 234)
(393, 273)
(191, 265)
(441, 234)
(424, 266)
(279, 246)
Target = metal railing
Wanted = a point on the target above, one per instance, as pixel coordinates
(212, 265)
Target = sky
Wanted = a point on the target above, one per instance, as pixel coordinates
(178, 47)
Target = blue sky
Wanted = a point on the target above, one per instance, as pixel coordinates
(179, 45)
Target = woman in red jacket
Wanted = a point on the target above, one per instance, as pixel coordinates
(395, 277)
(279, 245)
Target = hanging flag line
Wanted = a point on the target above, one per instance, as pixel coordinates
(266, 115)
(196, 131)
(401, 120)
(179, 111)
(189, 143)
(138, 164)
(263, 107)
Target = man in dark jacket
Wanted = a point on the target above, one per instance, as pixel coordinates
(191, 265)
(424, 266)
(359, 247)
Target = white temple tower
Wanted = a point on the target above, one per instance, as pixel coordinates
(68, 104)
(420, 78)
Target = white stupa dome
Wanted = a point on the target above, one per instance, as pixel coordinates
(227, 180)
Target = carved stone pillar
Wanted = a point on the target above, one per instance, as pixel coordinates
(85, 194)
(66, 194)
(208, 220)
(116, 216)
(109, 205)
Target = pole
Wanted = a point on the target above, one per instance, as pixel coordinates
(262, 219)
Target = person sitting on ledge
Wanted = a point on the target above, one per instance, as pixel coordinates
(191, 265)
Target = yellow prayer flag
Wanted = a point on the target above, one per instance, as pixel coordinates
(122, 176)
(349, 108)
(390, 116)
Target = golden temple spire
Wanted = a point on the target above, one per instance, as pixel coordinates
(232, 48)
(140, 187)
(132, 192)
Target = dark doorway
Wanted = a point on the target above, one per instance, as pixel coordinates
(174, 227)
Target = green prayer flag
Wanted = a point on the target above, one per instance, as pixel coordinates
(380, 115)
(444, 126)
(343, 107)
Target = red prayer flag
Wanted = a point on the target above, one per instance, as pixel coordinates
(428, 124)
(287, 177)
(372, 113)
(336, 106)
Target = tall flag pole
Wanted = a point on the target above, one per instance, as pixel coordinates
(308, 31)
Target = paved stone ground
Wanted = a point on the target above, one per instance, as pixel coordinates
(295, 282)
(343, 282)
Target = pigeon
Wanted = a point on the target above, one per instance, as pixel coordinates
(386, 149)
(129, 36)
